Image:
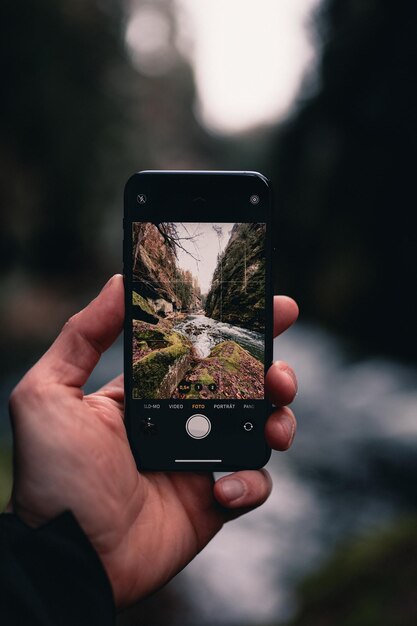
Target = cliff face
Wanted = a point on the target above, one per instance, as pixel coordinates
(159, 280)
(237, 293)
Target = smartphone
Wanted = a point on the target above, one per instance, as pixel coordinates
(198, 325)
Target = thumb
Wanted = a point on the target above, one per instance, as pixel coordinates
(76, 351)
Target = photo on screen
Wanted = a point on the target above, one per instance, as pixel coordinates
(198, 310)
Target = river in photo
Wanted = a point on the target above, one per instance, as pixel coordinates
(205, 333)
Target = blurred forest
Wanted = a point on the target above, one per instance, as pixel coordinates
(76, 120)
(344, 167)
(77, 117)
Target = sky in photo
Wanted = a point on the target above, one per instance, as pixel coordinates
(204, 246)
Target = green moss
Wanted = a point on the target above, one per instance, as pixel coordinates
(230, 354)
(149, 334)
(150, 371)
(138, 300)
(204, 377)
(239, 279)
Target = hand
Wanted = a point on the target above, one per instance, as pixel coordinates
(71, 452)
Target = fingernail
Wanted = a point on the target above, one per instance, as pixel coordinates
(288, 425)
(232, 489)
(293, 380)
(289, 372)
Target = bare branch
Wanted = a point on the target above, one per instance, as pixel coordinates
(171, 237)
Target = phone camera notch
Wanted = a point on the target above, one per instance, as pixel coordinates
(254, 199)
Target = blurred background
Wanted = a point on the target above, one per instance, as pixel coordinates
(321, 96)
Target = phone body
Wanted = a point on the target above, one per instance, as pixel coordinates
(199, 319)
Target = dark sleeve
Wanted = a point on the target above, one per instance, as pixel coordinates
(51, 576)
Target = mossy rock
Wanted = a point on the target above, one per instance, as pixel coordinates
(204, 377)
(236, 373)
(149, 334)
(156, 375)
(141, 310)
(230, 354)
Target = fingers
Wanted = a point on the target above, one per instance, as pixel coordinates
(281, 383)
(246, 490)
(74, 354)
(243, 490)
(280, 429)
(285, 313)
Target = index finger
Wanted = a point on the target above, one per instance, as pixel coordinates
(76, 351)
(285, 313)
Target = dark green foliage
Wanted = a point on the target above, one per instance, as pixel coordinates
(184, 287)
(237, 294)
(369, 583)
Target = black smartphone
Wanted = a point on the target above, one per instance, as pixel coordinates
(198, 328)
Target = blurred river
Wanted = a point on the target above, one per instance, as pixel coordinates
(352, 468)
(206, 332)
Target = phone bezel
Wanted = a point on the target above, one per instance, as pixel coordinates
(176, 196)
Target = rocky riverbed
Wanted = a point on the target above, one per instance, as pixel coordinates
(221, 357)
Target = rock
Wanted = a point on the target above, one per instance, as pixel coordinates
(156, 272)
(157, 374)
(162, 307)
(236, 373)
(141, 309)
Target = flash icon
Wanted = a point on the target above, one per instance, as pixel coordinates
(141, 198)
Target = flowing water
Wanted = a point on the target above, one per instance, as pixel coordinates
(205, 333)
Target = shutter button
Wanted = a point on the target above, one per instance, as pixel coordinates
(198, 426)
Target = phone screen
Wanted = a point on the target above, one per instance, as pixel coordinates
(198, 325)
(198, 311)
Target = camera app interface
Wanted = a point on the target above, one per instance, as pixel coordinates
(198, 310)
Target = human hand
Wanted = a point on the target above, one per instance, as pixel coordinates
(71, 452)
